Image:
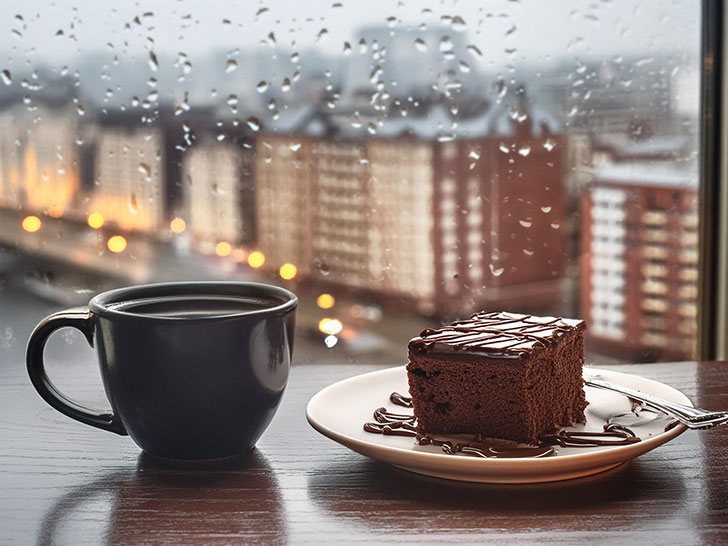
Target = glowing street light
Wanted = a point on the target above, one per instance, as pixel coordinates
(116, 244)
(223, 249)
(256, 259)
(325, 301)
(31, 224)
(177, 225)
(95, 220)
(287, 271)
(330, 326)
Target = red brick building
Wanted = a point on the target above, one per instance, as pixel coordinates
(640, 262)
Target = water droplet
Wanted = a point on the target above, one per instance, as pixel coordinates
(232, 100)
(321, 34)
(420, 45)
(220, 137)
(528, 252)
(546, 209)
(330, 341)
(375, 73)
(59, 33)
(362, 46)
(503, 148)
(372, 128)
(355, 121)
(6, 77)
(446, 44)
(80, 109)
(286, 85)
(445, 136)
(474, 155)
(271, 104)
(347, 48)
(555, 226)
(133, 205)
(464, 67)
(458, 24)
(253, 123)
(524, 150)
(231, 65)
(475, 51)
(511, 30)
(145, 169)
(262, 86)
(295, 57)
(295, 146)
(525, 223)
(260, 12)
(271, 39)
(153, 96)
(391, 22)
(496, 272)
(549, 145)
(153, 62)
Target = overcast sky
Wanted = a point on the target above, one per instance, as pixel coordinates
(505, 32)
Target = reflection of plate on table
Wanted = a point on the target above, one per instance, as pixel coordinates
(340, 410)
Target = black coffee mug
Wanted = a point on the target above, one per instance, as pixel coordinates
(192, 370)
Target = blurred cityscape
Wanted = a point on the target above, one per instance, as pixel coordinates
(393, 187)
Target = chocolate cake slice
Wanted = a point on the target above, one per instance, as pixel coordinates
(500, 375)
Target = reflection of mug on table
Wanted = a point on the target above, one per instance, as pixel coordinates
(237, 503)
(192, 370)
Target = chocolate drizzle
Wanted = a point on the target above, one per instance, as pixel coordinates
(399, 424)
(497, 335)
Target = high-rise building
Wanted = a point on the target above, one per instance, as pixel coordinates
(218, 196)
(39, 156)
(451, 225)
(640, 261)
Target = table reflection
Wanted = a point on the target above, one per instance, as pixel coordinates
(156, 502)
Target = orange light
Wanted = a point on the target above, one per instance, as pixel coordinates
(31, 224)
(223, 249)
(95, 220)
(116, 244)
(287, 271)
(325, 301)
(55, 211)
(256, 259)
(177, 225)
(330, 326)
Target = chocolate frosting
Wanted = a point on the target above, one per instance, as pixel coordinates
(615, 433)
(495, 335)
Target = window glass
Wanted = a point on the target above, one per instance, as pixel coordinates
(396, 165)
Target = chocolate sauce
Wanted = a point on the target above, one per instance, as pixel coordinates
(614, 434)
(495, 335)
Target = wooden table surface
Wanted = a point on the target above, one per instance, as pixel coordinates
(65, 483)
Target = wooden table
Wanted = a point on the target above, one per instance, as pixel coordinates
(65, 483)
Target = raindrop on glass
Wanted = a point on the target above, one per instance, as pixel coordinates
(253, 123)
(262, 86)
(231, 65)
(153, 62)
(496, 272)
(524, 150)
(6, 77)
(420, 45)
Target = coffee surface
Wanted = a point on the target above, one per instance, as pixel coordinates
(193, 306)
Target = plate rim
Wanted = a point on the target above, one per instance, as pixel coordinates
(614, 454)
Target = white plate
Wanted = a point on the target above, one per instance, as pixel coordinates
(340, 410)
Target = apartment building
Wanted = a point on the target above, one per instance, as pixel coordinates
(640, 261)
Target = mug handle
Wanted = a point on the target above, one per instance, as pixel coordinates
(81, 320)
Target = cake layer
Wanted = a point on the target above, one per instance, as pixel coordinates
(500, 375)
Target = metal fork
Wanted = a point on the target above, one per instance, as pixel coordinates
(694, 418)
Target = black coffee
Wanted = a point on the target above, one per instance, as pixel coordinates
(193, 306)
